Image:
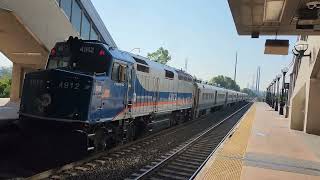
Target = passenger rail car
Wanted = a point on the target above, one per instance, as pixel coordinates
(211, 98)
(109, 96)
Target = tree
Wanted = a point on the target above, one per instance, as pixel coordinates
(225, 82)
(249, 92)
(161, 56)
(5, 82)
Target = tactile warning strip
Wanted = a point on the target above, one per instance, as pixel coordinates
(228, 161)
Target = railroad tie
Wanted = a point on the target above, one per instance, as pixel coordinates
(81, 168)
(91, 165)
(102, 162)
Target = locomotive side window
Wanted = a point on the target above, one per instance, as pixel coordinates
(142, 68)
(169, 74)
(118, 72)
(122, 73)
(115, 72)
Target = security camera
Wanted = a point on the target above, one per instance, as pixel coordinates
(313, 5)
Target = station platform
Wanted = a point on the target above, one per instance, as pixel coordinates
(8, 111)
(264, 147)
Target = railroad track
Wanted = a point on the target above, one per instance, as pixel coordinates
(93, 162)
(185, 161)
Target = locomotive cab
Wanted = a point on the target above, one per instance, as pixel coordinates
(74, 85)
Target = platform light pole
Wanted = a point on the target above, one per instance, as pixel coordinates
(235, 68)
(270, 95)
(274, 94)
(283, 99)
(271, 88)
(267, 95)
(278, 92)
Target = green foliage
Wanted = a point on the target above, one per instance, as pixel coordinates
(5, 82)
(161, 56)
(225, 82)
(249, 92)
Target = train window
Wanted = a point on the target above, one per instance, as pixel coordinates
(142, 68)
(122, 73)
(169, 74)
(76, 16)
(85, 27)
(115, 72)
(140, 61)
(118, 72)
(94, 35)
(66, 6)
(184, 76)
(58, 62)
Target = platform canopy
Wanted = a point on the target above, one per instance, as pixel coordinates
(271, 17)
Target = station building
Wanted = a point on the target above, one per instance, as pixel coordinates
(30, 28)
(297, 18)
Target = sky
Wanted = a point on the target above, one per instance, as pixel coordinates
(201, 31)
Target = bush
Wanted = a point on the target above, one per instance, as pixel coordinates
(5, 81)
(5, 86)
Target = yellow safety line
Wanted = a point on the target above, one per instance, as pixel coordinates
(228, 161)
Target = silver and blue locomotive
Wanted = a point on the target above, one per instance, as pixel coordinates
(108, 95)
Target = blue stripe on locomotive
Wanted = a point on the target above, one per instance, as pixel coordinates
(115, 103)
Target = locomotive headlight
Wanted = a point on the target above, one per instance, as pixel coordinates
(45, 100)
(76, 116)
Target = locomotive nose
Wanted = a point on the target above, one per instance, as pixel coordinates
(57, 95)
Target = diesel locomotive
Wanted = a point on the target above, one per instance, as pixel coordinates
(109, 96)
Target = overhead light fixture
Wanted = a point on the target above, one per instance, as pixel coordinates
(27, 54)
(273, 10)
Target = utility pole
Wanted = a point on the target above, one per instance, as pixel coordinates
(253, 81)
(235, 68)
(259, 79)
(186, 64)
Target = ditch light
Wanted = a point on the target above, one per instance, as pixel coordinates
(276, 47)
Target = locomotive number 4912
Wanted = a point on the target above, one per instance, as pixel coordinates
(69, 85)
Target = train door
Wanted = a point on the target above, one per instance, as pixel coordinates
(196, 102)
(155, 97)
(119, 87)
(130, 85)
(226, 99)
(215, 97)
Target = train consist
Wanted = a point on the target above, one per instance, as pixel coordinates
(108, 96)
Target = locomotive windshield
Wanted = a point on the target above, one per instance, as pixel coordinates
(88, 58)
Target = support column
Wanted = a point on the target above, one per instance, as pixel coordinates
(297, 111)
(17, 78)
(312, 124)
